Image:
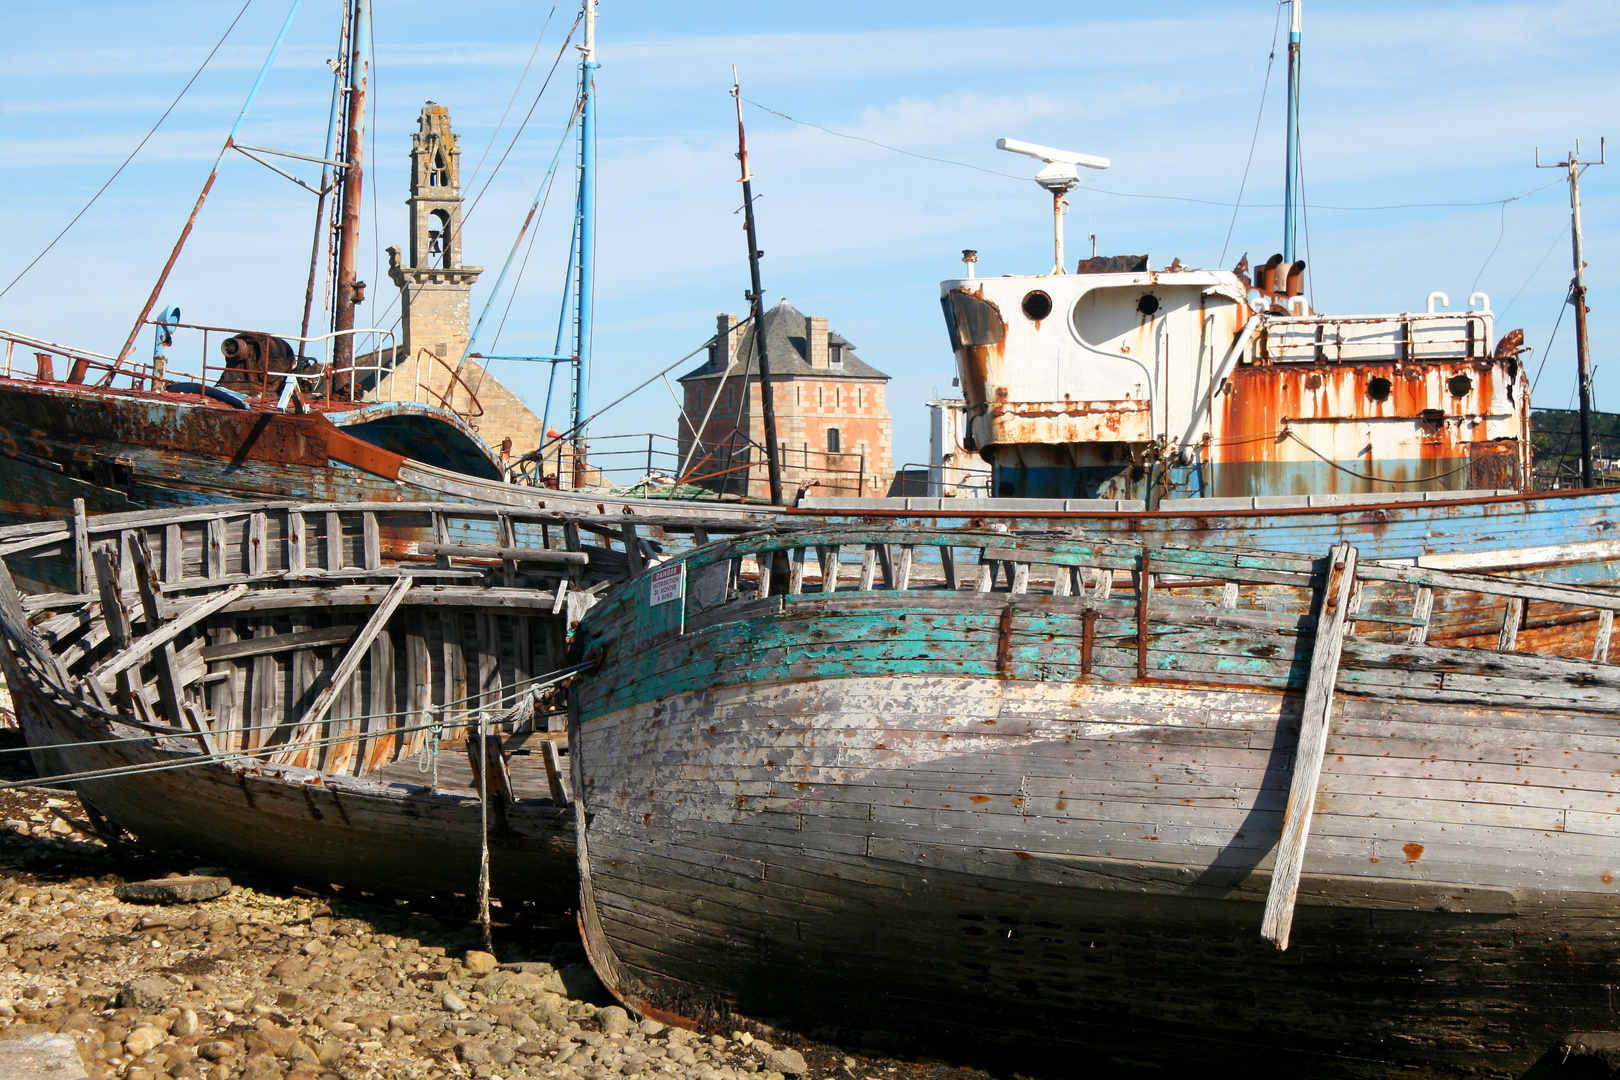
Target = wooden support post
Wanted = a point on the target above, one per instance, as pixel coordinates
(296, 553)
(902, 570)
(1423, 608)
(168, 668)
(1313, 735)
(83, 571)
(500, 779)
(886, 563)
(138, 650)
(556, 775)
(1512, 619)
(1062, 577)
(947, 559)
(766, 560)
(1020, 577)
(632, 548)
(827, 555)
(1144, 593)
(214, 555)
(1605, 630)
(334, 542)
(1229, 596)
(796, 572)
(371, 540)
(174, 555)
(118, 628)
(868, 568)
(258, 543)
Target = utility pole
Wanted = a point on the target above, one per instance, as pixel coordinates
(773, 459)
(348, 290)
(1577, 295)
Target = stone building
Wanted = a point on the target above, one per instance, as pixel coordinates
(832, 420)
(435, 298)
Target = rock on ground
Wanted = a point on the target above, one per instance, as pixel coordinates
(273, 983)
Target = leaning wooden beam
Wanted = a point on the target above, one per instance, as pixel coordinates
(514, 554)
(1313, 732)
(347, 667)
(168, 668)
(116, 619)
(304, 639)
(182, 621)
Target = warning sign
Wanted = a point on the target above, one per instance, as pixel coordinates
(668, 583)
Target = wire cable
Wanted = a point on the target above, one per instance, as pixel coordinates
(513, 99)
(144, 139)
(1254, 139)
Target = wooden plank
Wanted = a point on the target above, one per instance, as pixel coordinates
(331, 635)
(174, 554)
(214, 552)
(827, 556)
(348, 665)
(513, 554)
(868, 567)
(83, 572)
(183, 620)
(296, 552)
(116, 620)
(902, 570)
(258, 543)
(632, 548)
(334, 541)
(796, 572)
(371, 541)
(1315, 716)
(168, 672)
(1605, 630)
(1512, 615)
(1020, 578)
(556, 775)
(500, 778)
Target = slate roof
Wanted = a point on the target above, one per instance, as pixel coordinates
(789, 351)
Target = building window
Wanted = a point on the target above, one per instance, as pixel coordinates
(835, 353)
(838, 397)
(832, 440)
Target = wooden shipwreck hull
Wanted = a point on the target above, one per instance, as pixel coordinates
(1022, 796)
(296, 687)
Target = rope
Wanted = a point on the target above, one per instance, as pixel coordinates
(1289, 433)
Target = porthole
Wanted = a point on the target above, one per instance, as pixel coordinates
(1378, 388)
(1148, 305)
(1037, 305)
(1459, 385)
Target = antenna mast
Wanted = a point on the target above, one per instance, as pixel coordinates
(585, 239)
(773, 461)
(1577, 294)
(1291, 179)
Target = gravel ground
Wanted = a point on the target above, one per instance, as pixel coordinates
(278, 982)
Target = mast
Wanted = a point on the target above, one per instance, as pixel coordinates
(773, 460)
(1291, 181)
(585, 239)
(1577, 296)
(328, 180)
(359, 72)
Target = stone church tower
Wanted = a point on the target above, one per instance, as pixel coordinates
(435, 297)
(436, 287)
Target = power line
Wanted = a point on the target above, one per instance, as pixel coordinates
(144, 139)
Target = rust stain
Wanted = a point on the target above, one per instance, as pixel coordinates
(1606, 877)
(979, 798)
(1413, 852)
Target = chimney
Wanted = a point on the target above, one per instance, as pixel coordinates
(725, 330)
(815, 340)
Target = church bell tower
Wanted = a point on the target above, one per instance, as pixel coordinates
(435, 287)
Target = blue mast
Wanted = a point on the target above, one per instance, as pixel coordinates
(585, 239)
(1291, 187)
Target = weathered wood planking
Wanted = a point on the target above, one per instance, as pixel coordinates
(919, 807)
(327, 679)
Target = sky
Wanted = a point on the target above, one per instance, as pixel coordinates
(1420, 125)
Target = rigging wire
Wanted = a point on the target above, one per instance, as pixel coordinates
(144, 139)
(513, 99)
(466, 215)
(1138, 194)
(376, 229)
(1254, 139)
(1548, 350)
(1501, 231)
(1531, 276)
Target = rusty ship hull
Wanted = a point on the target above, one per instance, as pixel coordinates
(1032, 793)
